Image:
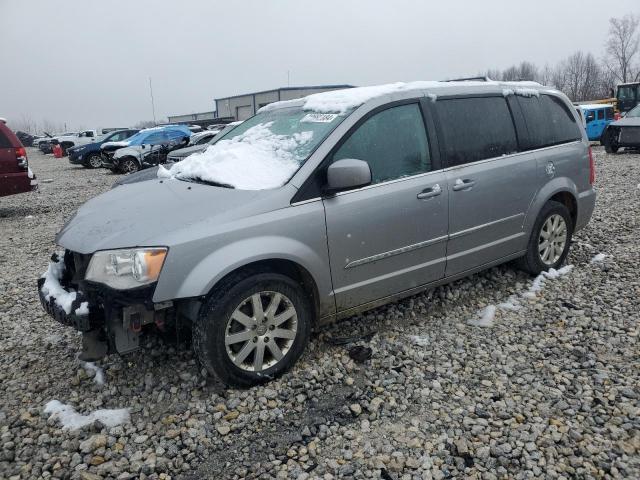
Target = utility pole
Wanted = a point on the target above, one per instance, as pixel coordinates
(153, 107)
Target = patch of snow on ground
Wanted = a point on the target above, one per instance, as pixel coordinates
(485, 317)
(598, 258)
(72, 420)
(541, 279)
(512, 303)
(256, 160)
(420, 340)
(29, 217)
(92, 367)
(52, 288)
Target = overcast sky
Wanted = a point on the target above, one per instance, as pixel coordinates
(88, 63)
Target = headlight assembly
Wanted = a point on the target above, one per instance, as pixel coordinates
(126, 268)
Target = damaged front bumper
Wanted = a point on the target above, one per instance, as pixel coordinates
(111, 321)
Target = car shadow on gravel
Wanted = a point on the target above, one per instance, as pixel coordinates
(18, 211)
(294, 429)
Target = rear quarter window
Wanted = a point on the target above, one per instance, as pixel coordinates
(549, 122)
(476, 129)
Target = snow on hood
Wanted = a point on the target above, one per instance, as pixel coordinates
(256, 160)
(122, 143)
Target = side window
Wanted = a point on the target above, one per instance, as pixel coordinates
(600, 114)
(476, 129)
(4, 141)
(156, 138)
(563, 123)
(609, 113)
(89, 134)
(394, 142)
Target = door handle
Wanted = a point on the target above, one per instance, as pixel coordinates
(430, 192)
(465, 184)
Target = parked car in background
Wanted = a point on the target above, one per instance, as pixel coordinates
(319, 208)
(596, 118)
(39, 138)
(90, 155)
(623, 133)
(203, 137)
(46, 145)
(25, 138)
(146, 148)
(182, 153)
(68, 141)
(15, 174)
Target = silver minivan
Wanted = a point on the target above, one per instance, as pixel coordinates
(318, 208)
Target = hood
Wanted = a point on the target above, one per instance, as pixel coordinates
(627, 122)
(121, 144)
(185, 152)
(127, 151)
(150, 213)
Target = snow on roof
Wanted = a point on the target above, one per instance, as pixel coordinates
(340, 101)
(592, 106)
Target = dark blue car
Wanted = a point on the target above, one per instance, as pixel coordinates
(89, 155)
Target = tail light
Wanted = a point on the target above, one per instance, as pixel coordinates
(592, 168)
(21, 157)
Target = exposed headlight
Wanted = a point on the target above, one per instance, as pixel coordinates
(126, 268)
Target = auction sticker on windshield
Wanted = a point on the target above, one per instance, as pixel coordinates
(319, 117)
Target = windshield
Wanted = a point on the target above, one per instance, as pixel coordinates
(634, 112)
(262, 152)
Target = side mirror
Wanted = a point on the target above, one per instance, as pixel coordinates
(143, 146)
(348, 173)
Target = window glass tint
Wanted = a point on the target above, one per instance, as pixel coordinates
(549, 122)
(476, 128)
(609, 113)
(394, 142)
(600, 114)
(563, 123)
(4, 141)
(156, 138)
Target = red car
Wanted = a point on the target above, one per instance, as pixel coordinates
(15, 174)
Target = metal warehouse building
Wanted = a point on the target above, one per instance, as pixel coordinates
(203, 119)
(241, 107)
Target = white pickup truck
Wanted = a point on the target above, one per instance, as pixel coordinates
(81, 138)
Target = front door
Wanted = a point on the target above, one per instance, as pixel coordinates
(491, 185)
(390, 236)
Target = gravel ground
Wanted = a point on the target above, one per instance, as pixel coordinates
(550, 390)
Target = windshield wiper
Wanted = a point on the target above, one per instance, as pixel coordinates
(205, 182)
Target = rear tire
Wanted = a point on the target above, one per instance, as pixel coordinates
(94, 160)
(610, 142)
(555, 227)
(240, 335)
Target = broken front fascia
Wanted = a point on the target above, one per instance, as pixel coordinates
(111, 320)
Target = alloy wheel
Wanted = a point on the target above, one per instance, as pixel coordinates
(261, 331)
(95, 161)
(552, 239)
(129, 166)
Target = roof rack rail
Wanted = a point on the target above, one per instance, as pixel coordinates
(470, 79)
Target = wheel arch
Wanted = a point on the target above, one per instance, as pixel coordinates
(561, 190)
(282, 266)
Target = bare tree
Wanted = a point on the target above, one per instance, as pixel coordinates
(623, 46)
(25, 123)
(580, 77)
(145, 124)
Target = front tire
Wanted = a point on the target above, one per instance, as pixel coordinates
(550, 239)
(610, 142)
(129, 165)
(253, 329)
(93, 161)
